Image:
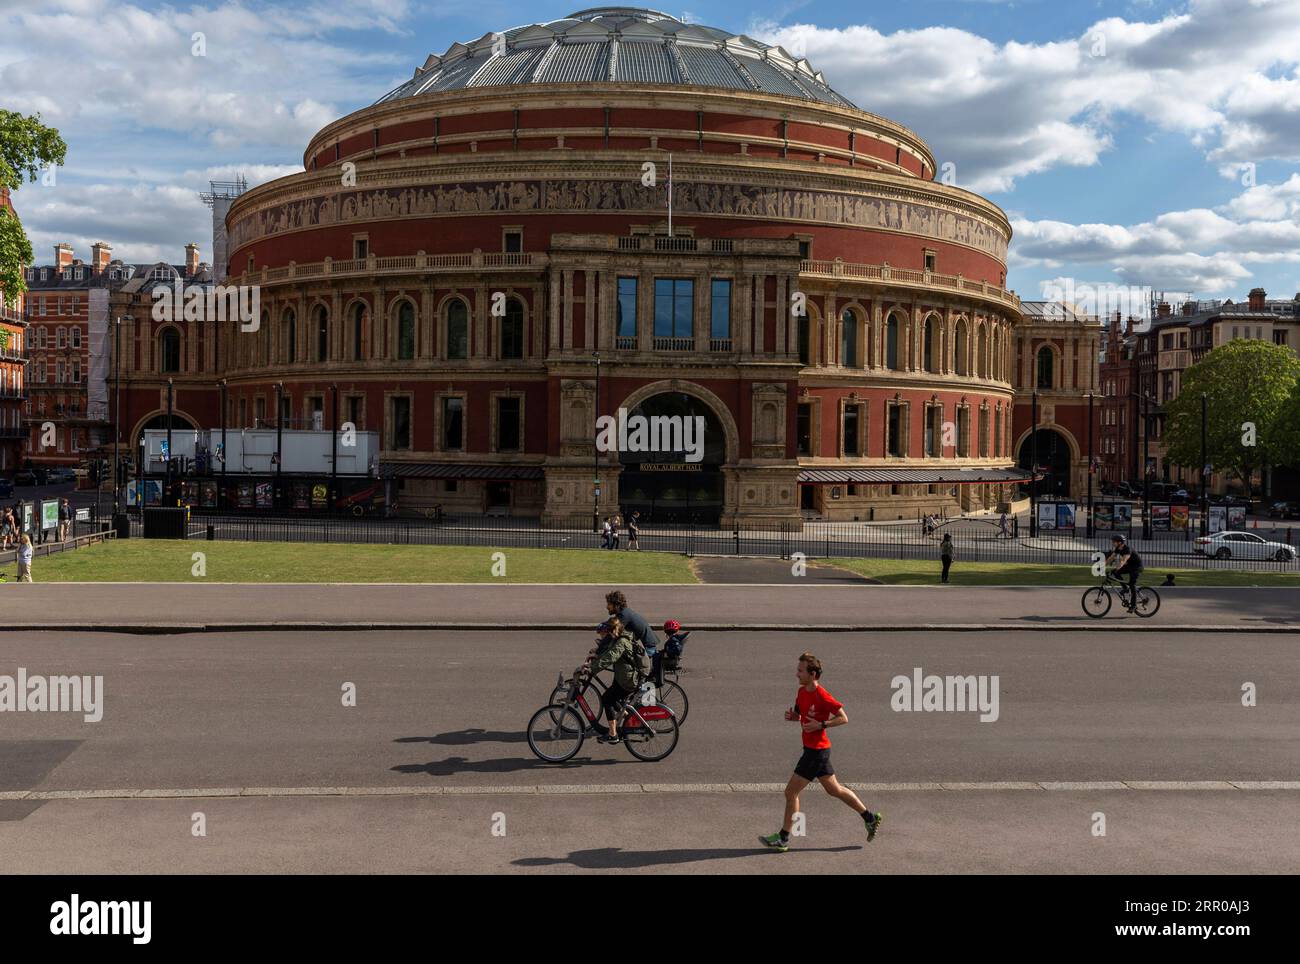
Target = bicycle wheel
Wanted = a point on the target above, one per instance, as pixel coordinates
(555, 742)
(592, 695)
(1148, 601)
(674, 697)
(1096, 601)
(650, 732)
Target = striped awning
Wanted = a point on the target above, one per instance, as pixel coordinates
(460, 470)
(935, 476)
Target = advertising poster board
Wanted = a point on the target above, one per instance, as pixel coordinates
(1160, 516)
(1218, 518)
(319, 496)
(1046, 515)
(1103, 516)
(264, 498)
(245, 500)
(208, 495)
(1124, 516)
(300, 495)
(27, 517)
(1065, 515)
(1179, 516)
(50, 514)
(1236, 517)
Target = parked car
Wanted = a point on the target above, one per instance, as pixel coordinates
(1242, 545)
(29, 477)
(1284, 510)
(59, 475)
(6, 488)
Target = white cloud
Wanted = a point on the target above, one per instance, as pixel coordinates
(1224, 74)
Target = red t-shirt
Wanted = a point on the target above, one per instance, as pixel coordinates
(819, 706)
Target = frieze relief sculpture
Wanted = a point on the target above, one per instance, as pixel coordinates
(589, 195)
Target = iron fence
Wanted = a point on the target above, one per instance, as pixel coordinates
(974, 539)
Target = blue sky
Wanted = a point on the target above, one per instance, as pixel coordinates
(1131, 143)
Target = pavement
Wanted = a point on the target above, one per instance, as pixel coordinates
(817, 603)
(247, 735)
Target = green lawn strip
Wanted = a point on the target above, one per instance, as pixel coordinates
(922, 572)
(161, 560)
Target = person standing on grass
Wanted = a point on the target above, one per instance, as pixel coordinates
(634, 532)
(816, 711)
(604, 534)
(618, 525)
(25, 552)
(945, 554)
(65, 519)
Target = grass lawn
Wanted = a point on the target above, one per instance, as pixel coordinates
(913, 572)
(166, 560)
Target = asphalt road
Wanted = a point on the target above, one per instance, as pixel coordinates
(826, 603)
(249, 730)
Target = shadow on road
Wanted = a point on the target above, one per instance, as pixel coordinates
(459, 764)
(466, 737)
(610, 858)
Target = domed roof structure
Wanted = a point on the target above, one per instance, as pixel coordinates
(619, 44)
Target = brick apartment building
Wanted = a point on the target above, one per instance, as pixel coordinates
(13, 363)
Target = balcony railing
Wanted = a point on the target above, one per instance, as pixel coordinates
(625, 342)
(909, 277)
(400, 264)
(719, 344)
(674, 344)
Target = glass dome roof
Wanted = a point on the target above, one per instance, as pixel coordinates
(619, 44)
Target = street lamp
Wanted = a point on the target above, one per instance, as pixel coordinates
(1089, 529)
(334, 445)
(1205, 471)
(595, 451)
(1033, 467)
(117, 415)
(279, 439)
(167, 466)
(221, 496)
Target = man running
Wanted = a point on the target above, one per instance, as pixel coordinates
(816, 710)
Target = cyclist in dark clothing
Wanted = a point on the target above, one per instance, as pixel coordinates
(616, 605)
(1129, 564)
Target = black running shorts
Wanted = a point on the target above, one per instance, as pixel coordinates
(814, 764)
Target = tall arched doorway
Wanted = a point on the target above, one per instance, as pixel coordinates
(1054, 456)
(658, 479)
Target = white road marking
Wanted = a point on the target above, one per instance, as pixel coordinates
(590, 788)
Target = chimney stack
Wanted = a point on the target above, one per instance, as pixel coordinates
(101, 254)
(1257, 299)
(62, 256)
(1128, 326)
(1189, 307)
(191, 259)
(1163, 310)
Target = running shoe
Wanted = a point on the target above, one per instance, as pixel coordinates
(774, 841)
(873, 825)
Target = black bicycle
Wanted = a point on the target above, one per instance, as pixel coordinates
(556, 732)
(1097, 599)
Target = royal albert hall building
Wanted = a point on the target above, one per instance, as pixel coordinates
(456, 258)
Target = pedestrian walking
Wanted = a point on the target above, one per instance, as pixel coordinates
(816, 711)
(1003, 533)
(633, 532)
(605, 541)
(25, 553)
(616, 530)
(945, 554)
(8, 529)
(65, 519)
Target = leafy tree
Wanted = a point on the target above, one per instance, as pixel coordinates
(1248, 385)
(26, 147)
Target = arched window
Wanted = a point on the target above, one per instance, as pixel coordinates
(931, 348)
(170, 350)
(291, 336)
(805, 341)
(406, 331)
(849, 339)
(891, 343)
(960, 350)
(457, 329)
(358, 327)
(322, 334)
(982, 347)
(512, 330)
(265, 331)
(1046, 362)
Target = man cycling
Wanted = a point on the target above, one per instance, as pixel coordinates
(1130, 565)
(635, 623)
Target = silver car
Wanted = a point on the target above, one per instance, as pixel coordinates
(1243, 545)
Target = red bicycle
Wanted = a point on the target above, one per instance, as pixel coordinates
(556, 732)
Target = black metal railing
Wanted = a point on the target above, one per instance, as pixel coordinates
(974, 539)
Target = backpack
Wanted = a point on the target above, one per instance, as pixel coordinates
(640, 659)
